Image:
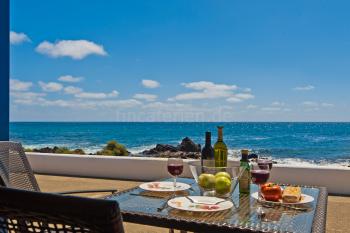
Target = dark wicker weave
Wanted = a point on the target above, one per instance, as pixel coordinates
(16, 172)
(15, 169)
(28, 211)
(240, 219)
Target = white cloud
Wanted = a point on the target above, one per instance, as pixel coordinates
(206, 90)
(76, 49)
(96, 95)
(275, 107)
(270, 109)
(50, 86)
(237, 98)
(199, 95)
(18, 38)
(304, 88)
(147, 97)
(27, 98)
(209, 86)
(70, 79)
(278, 104)
(327, 105)
(310, 104)
(128, 103)
(17, 85)
(58, 103)
(234, 99)
(156, 105)
(27, 95)
(150, 83)
(251, 106)
(245, 96)
(72, 90)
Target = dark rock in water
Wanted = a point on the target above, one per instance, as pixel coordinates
(81, 152)
(160, 148)
(186, 150)
(188, 145)
(46, 150)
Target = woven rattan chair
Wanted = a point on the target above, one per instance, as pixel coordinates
(16, 172)
(27, 211)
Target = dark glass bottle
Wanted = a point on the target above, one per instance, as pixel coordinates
(207, 151)
(244, 180)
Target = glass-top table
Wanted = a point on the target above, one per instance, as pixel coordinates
(242, 217)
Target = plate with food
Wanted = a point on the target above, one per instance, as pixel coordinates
(164, 186)
(200, 203)
(290, 195)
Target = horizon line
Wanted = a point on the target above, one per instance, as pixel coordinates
(179, 122)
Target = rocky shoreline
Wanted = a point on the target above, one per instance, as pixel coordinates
(187, 149)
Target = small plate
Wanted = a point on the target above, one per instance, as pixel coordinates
(164, 186)
(182, 203)
(304, 199)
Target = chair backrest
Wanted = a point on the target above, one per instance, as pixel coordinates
(28, 211)
(15, 170)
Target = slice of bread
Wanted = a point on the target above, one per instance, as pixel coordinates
(291, 194)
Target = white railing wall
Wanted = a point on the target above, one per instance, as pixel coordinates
(337, 180)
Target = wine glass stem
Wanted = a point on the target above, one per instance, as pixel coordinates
(259, 192)
(175, 184)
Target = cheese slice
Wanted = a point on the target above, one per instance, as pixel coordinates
(291, 194)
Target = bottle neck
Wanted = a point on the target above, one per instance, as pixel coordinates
(244, 158)
(220, 135)
(207, 139)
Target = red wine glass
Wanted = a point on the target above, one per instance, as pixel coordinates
(260, 174)
(175, 168)
(266, 161)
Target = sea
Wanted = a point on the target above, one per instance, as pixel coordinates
(312, 143)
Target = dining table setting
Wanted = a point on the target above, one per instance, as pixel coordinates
(212, 201)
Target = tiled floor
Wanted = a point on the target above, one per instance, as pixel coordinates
(338, 217)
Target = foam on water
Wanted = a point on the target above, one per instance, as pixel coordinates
(139, 149)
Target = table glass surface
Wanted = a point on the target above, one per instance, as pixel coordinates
(242, 215)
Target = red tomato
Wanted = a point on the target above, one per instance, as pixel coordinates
(271, 192)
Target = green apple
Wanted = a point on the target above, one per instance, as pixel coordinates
(224, 174)
(206, 181)
(222, 185)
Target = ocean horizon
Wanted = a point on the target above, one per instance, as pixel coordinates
(301, 143)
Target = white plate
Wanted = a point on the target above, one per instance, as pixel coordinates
(182, 203)
(304, 199)
(164, 186)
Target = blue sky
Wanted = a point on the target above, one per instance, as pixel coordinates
(180, 60)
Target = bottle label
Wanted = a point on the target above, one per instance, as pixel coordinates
(244, 182)
(220, 158)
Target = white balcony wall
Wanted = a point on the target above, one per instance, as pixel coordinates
(337, 180)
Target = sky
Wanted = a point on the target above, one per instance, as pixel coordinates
(180, 60)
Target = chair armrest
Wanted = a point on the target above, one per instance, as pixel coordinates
(89, 191)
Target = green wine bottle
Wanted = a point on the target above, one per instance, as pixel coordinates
(244, 180)
(220, 150)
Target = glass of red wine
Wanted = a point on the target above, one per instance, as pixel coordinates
(260, 174)
(175, 168)
(265, 161)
